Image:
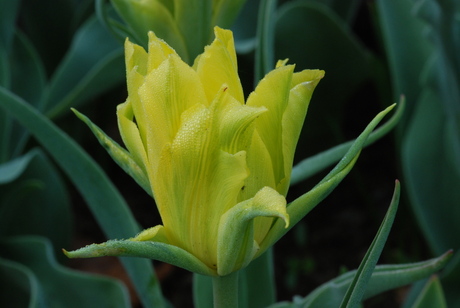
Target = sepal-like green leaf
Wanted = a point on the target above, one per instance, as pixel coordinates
(121, 156)
(314, 164)
(305, 203)
(144, 249)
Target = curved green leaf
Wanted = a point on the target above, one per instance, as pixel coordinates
(264, 57)
(57, 285)
(407, 49)
(19, 285)
(35, 200)
(93, 64)
(431, 295)
(116, 220)
(305, 203)
(12, 169)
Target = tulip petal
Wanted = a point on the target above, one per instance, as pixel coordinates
(302, 87)
(155, 248)
(202, 172)
(235, 252)
(168, 91)
(218, 66)
(135, 56)
(273, 93)
(159, 51)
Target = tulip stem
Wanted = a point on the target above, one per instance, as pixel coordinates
(225, 291)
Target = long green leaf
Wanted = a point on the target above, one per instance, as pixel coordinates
(406, 47)
(312, 165)
(265, 58)
(358, 286)
(104, 200)
(34, 200)
(384, 278)
(431, 295)
(93, 64)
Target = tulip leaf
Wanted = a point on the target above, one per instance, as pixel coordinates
(432, 174)
(8, 12)
(11, 170)
(20, 287)
(245, 28)
(144, 249)
(384, 278)
(431, 295)
(115, 220)
(312, 165)
(58, 286)
(93, 64)
(333, 49)
(359, 284)
(305, 203)
(264, 57)
(120, 155)
(34, 187)
(407, 49)
(24, 58)
(193, 18)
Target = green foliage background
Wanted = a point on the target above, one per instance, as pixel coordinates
(58, 54)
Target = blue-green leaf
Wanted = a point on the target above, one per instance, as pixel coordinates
(358, 286)
(431, 295)
(384, 278)
(93, 65)
(34, 200)
(56, 285)
(116, 220)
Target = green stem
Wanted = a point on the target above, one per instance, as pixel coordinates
(225, 291)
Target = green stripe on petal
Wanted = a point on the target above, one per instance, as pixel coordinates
(236, 246)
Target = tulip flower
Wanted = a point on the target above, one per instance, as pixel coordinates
(217, 166)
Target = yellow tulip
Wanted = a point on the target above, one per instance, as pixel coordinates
(218, 167)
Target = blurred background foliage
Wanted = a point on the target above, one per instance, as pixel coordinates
(58, 54)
